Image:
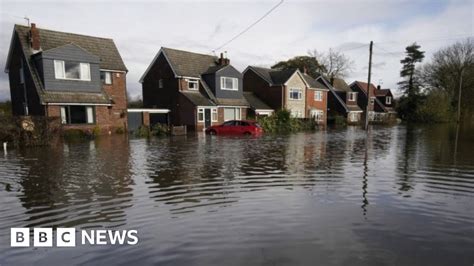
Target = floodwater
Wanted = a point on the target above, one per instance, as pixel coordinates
(397, 196)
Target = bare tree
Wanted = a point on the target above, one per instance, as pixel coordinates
(334, 63)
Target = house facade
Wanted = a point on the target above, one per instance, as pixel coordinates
(199, 90)
(79, 79)
(342, 101)
(381, 103)
(288, 89)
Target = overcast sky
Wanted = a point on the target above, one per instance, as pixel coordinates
(140, 28)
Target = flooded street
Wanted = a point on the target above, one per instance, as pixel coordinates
(402, 196)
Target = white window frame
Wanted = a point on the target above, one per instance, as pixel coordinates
(235, 84)
(66, 116)
(109, 75)
(352, 96)
(388, 100)
(352, 117)
(372, 100)
(214, 113)
(192, 81)
(318, 115)
(60, 71)
(318, 96)
(237, 113)
(201, 111)
(300, 94)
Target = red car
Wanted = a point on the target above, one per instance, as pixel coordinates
(236, 127)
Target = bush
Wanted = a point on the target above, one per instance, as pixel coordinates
(96, 131)
(160, 130)
(74, 134)
(119, 130)
(340, 120)
(433, 107)
(282, 122)
(142, 132)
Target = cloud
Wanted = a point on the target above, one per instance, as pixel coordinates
(140, 28)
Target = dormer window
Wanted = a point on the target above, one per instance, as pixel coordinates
(106, 77)
(231, 84)
(388, 100)
(193, 84)
(72, 70)
(352, 96)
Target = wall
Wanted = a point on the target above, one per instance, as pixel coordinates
(313, 104)
(272, 96)
(296, 105)
(117, 92)
(228, 71)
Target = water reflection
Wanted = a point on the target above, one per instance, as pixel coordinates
(394, 195)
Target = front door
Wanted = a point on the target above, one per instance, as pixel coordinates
(207, 118)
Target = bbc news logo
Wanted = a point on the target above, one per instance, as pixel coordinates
(66, 237)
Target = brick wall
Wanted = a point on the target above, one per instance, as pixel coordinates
(311, 103)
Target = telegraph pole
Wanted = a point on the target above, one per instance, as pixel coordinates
(459, 97)
(368, 88)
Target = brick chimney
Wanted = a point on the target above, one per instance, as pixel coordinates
(34, 37)
(378, 87)
(223, 61)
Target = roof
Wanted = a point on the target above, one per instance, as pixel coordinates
(341, 85)
(104, 48)
(232, 102)
(214, 69)
(363, 86)
(255, 102)
(313, 83)
(188, 64)
(274, 76)
(75, 97)
(354, 108)
(197, 98)
(382, 92)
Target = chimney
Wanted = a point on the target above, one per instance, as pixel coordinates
(378, 87)
(34, 37)
(223, 60)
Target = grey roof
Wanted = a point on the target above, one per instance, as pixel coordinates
(313, 83)
(189, 64)
(214, 69)
(75, 97)
(232, 102)
(341, 85)
(197, 98)
(274, 76)
(353, 108)
(255, 102)
(104, 48)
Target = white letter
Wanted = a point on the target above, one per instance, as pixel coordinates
(20, 237)
(66, 237)
(115, 236)
(132, 234)
(90, 238)
(101, 237)
(43, 237)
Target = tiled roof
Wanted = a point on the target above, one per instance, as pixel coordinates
(341, 85)
(197, 98)
(232, 102)
(189, 64)
(255, 102)
(274, 76)
(75, 97)
(382, 92)
(104, 48)
(313, 83)
(363, 86)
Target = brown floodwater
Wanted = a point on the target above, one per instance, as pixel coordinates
(400, 195)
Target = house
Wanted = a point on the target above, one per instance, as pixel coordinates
(200, 90)
(77, 78)
(288, 89)
(342, 101)
(381, 105)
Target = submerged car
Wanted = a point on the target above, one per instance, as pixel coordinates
(236, 127)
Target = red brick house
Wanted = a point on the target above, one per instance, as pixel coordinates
(200, 90)
(288, 89)
(77, 78)
(381, 104)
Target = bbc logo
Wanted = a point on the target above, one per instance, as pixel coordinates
(43, 237)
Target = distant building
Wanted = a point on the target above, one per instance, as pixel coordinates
(79, 79)
(342, 101)
(381, 102)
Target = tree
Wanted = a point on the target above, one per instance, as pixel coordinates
(311, 64)
(334, 64)
(410, 85)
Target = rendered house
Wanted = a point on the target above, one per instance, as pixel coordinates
(79, 79)
(381, 106)
(288, 89)
(200, 90)
(342, 101)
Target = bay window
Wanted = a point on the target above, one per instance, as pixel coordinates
(72, 70)
(77, 114)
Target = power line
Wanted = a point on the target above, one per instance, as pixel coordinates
(249, 27)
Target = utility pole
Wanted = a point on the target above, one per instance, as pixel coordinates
(368, 88)
(459, 97)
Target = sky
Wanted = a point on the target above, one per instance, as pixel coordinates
(140, 28)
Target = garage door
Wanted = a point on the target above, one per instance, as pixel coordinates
(231, 114)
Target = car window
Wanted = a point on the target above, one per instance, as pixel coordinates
(229, 123)
(244, 124)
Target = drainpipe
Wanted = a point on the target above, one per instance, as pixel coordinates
(5, 148)
(283, 96)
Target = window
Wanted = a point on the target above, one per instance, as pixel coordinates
(372, 100)
(193, 84)
(160, 83)
(230, 123)
(231, 84)
(296, 113)
(106, 77)
(200, 114)
(231, 114)
(352, 96)
(353, 117)
(214, 114)
(317, 115)
(22, 75)
(72, 70)
(76, 114)
(296, 94)
(318, 96)
(388, 100)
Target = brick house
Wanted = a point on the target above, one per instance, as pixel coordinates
(200, 90)
(79, 79)
(342, 101)
(381, 104)
(288, 89)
